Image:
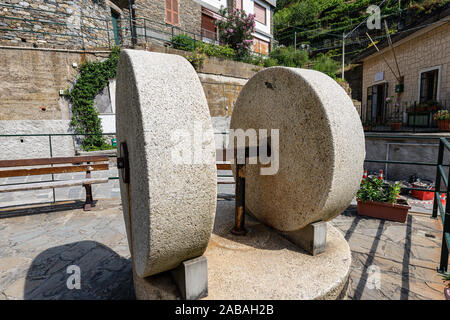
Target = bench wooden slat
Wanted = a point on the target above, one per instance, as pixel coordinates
(52, 184)
(225, 180)
(223, 166)
(44, 161)
(52, 170)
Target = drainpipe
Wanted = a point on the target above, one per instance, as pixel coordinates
(132, 22)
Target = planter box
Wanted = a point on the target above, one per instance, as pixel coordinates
(395, 125)
(422, 195)
(383, 210)
(443, 125)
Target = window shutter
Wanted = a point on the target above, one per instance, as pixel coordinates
(168, 11)
(175, 19)
(260, 13)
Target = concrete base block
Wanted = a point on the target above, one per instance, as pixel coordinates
(312, 238)
(191, 277)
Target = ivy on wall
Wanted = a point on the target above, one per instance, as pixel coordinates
(92, 79)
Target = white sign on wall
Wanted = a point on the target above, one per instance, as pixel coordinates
(379, 76)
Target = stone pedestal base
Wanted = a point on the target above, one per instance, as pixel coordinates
(312, 238)
(191, 278)
(261, 265)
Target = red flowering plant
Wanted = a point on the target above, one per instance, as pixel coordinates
(235, 29)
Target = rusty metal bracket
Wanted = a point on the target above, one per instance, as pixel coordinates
(123, 162)
(239, 211)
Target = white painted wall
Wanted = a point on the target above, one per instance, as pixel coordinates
(248, 6)
(108, 122)
(213, 3)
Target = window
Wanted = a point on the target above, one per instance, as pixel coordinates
(429, 85)
(260, 46)
(172, 12)
(260, 13)
(208, 27)
(115, 24)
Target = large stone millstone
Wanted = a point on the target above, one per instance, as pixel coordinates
(321, 149)
(168, 207)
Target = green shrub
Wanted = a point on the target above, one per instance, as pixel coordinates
(257, 60)
(92, 79)
(327, 65)
(212, 50)
(269, 62)
(373, 189)
(197, 58)
(183, 42)
(288, 57)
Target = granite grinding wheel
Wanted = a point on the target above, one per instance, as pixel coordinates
(321, 146)
(168, 207)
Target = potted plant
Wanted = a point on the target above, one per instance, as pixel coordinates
(446, 278)
(422, 195)
(381, 201)
(442, 117)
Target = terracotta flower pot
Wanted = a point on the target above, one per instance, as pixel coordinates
(443, 125)
(395, 125)
(383, 210)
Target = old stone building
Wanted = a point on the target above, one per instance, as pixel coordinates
(48, 23)
(105, 23)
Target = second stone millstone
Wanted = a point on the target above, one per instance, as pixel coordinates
(319, 148)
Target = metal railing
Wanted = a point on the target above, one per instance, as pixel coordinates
(407, 117)
(437, 205)
(440, 175)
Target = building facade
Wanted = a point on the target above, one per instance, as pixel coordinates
(105, 23)
(261, 9)
(422, 76)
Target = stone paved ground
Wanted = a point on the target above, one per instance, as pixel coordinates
(406, 254)
(37, 248)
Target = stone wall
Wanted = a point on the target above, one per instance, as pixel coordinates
(424, 51)
(23, 147)
(30, 80)
(68, 23)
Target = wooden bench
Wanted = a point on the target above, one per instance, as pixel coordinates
(46, 166)
(222, 163)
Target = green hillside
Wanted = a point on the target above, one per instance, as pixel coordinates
(319, 25)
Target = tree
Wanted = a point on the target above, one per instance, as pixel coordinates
(235, 29)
